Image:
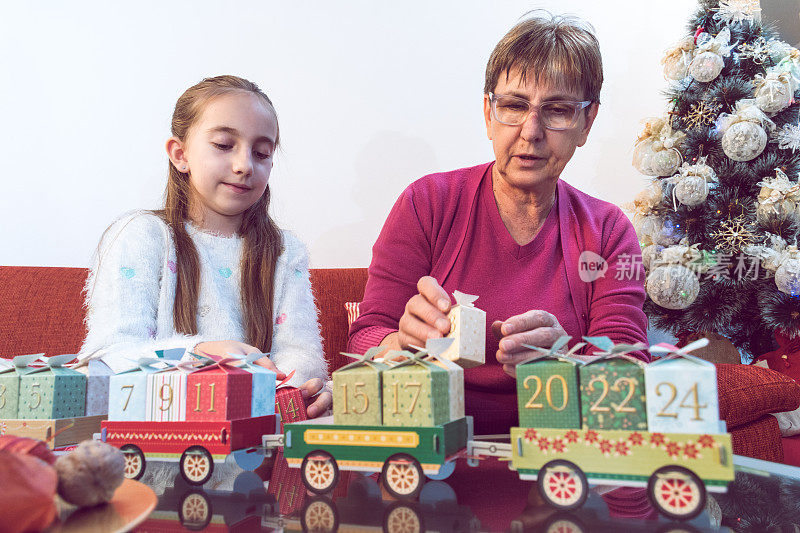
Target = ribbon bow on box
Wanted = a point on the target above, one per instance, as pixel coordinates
(24, 361)
(367, 358)
(555, 350)
(463, 299)
(609, 349)
(673, 351)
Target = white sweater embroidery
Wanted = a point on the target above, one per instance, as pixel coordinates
(130, 293)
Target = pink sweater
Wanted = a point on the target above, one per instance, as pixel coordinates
(448, 226)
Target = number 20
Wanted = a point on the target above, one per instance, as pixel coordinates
(548, 392)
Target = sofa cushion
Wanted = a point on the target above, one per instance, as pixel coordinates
(746, 393)
(353, 312)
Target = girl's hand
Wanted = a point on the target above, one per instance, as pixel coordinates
(223, 348)
(316, 406)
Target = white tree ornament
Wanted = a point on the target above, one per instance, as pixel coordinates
(779, 197)
(656, 152)
(677, 59)
(735, 11)
(692, 183)
(774, 91)
(708, 62)
(744, 132)
(672, 282)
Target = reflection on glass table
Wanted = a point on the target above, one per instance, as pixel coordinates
(764, 497)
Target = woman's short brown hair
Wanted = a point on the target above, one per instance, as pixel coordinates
(557, 50)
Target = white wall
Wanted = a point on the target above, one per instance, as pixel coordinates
(370, 96)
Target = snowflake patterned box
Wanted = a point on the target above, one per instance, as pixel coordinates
(264, 382)
(290, 405)
(613, 390)
(613, 387)
(468, 331)
(415, 393)
(357, 391)
(166, 392)
(10, 372)
(219, 391)
(52, 391)
(682, 391)
(98, 380)
(547, 388)
(127, 391)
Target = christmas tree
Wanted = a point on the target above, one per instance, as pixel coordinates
(719, 221)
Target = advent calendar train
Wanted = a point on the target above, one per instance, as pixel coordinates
(612, 421)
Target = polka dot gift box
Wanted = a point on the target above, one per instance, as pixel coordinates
(468, 331)
(52, 391)
(415, 392)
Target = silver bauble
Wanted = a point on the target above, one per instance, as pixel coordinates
(643, 157)
(706, 66)
(691, 190)
(666, 162)
(744, 141)
(672, 286)
(773, 96)
(787, 277)
(650, 255)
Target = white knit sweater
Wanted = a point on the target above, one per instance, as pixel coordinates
(130, 293)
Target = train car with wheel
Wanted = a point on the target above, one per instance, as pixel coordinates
(195, 445)
(676, 468)
(616, 420)
(403, 455)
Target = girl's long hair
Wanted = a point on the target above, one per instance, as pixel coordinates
(262, 242)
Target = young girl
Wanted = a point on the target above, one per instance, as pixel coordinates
(211, 271)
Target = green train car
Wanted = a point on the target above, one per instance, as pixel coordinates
(403, 455)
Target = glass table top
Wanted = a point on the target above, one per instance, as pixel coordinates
(490, 497)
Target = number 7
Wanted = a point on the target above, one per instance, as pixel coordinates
(130, 393)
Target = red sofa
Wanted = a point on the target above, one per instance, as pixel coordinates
(41, 310)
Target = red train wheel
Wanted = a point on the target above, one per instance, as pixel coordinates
(563, 485)
(677, 492)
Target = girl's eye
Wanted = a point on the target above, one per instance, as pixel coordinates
(262, 155)
(221, 146)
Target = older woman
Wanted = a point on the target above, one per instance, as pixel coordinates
(510, 231)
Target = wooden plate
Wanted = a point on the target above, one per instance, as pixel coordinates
(131, 505)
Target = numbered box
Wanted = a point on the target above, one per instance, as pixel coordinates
(98, 382)
(613, 394)
(415, 394)
(263, 390)
(127, 392)
(357, 393)
(682, 395)
(468, 331)
(219, 392)
(548, 394)
(455, 385)
(52, 391)
(166, 395)
(290, 405)
(9, 384)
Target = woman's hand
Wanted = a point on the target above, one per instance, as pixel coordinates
(224, 348)
(536, 328)
(316, 406)
(424, 317)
